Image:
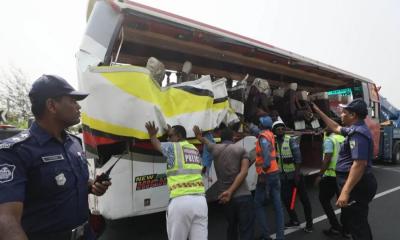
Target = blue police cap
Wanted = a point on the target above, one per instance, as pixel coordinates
(49, 86)
(357, 106)
(266, 121)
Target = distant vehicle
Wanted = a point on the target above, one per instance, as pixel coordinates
(389, 147)
(7, 131)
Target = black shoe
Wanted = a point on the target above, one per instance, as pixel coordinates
(346, 235)
(292, 224)
(331, 232)
(308, 229)
(268, 238)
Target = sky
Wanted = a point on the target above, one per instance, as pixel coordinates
(359, 36)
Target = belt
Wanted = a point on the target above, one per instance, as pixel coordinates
(77, 233)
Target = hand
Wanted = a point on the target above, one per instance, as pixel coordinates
(225, 197)
(151, 128)
(197, 132)
(317, 181)
(315, 107)
(166, 130)
(98, 188)
(343, 200)
(297, 179)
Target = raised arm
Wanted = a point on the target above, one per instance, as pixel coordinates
(199, 136)
(10, 221)
(153, 130)
(331, 124)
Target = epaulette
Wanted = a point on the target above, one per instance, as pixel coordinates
(14, 140)
(76, 137)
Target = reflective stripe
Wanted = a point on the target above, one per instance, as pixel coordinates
(336, 140)
(179, 155)
(186, 185)
(176, 172)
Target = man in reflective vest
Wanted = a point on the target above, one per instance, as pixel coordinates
(268, 182)
(187, 214)
(327, 184)
(289, 160)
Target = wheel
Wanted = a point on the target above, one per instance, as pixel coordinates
(396, 153)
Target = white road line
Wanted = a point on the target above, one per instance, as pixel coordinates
(392, 169)
(337, 211)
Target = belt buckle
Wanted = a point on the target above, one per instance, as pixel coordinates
(78, 232)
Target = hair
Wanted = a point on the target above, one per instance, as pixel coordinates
(361, 116)
(38, 105)
(180, 131)
(226, 134)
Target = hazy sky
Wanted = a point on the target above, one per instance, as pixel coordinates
(360, 36)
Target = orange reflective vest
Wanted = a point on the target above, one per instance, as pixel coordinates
(272, 155)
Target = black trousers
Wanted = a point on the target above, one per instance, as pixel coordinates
(239, 212)
(288, 184)
(355, 217)
(328, 188)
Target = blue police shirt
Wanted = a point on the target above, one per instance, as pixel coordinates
(357, 145)
(49, 177)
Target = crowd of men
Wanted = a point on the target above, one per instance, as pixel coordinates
(44, 180)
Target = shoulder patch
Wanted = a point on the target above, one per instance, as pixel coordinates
(352, 144)
(10, 142)
(6, 172)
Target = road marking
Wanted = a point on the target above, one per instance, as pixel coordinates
(392, 169)
(337, 211)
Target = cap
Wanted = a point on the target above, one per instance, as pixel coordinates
(266, 121)
(278, 123)
(48, 86)
(357, 106)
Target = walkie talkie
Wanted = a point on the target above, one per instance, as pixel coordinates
(105, 176)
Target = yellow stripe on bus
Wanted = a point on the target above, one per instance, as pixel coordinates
(172, 102)
(112, 128)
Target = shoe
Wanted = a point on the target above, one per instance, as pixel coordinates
(331, 232)
(308, 229)
(346, 235)
(292, 224)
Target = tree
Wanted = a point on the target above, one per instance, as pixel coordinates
(14, 89)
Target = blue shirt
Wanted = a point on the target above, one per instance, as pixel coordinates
(328, 145)
(50, 178)
(357, 145)
(266, 149)
(167, 149)
(206, 155)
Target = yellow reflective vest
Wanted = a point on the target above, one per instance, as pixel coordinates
(184, 178)
(337, 140)
(285, 156)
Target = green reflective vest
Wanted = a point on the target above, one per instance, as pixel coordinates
(337, 140)
(184, 178)
(285, 156)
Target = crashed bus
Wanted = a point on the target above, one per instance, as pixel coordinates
(139, 63)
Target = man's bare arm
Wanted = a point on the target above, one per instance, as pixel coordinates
(356, 172)
(244, 167)
(10, 221)
(153, 130)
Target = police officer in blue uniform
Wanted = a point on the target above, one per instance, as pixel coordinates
(356, 181)
(44, 178)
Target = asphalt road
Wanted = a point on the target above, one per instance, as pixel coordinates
(384, 215)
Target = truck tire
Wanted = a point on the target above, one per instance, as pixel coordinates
(396, 152)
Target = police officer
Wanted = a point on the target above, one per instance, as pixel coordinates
(44, 178)
(187, 213)
(289, 160)
(353, 170)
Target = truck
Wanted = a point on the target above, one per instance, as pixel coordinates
(389, 148)
(120, 39)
